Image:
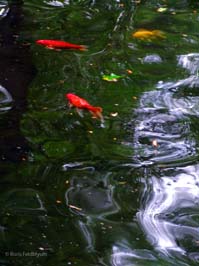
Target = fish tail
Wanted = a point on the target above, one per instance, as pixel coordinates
(83, 48)
(97, 112)
(159, 34)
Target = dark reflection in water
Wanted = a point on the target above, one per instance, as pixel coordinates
(92, 196)
(16, 73)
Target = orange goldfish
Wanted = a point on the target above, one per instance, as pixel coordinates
(144, 34)
(55, 44)
(80, 104)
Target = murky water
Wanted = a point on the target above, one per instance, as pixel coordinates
(76, 193)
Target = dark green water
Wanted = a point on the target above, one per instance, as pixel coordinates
(81, 194)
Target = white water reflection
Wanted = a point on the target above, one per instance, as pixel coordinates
(57, 3)
(152, 59)
(5, 98)
(161, 117)
(170, 200)
(169, 210)
(189, 62)
(124, 256)
(6, 95)
(191, 82)
(170, 195)
(3, 9)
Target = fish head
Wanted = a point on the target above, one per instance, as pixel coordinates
(42, 42)
(70, 96)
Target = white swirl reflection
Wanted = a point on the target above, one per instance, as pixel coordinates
(57, 3)
(169, 195)
(123, 256)
(162, 117)
(152, 59)
(5, 98)
(87, 235)
(189, 62)
(170, 199)
(3, 9)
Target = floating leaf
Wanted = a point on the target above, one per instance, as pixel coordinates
(112, 77)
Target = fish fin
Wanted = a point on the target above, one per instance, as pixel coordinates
(53, 48)
(102, 124)
(70, 105)
(159, 34)
(97, 112)
(83, 48)
(50, 47)
(80, 112)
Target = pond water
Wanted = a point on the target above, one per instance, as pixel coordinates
(74, 192)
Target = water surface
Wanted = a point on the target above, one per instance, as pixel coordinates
(75, 193)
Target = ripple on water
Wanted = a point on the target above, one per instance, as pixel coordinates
(5, 99)
(190, 62)
(151, 59)
(163, 116)
(162, 132)
(24, 201)
(93, 197)
(125, 256)
(174, 194)
(3, 10)
(57, 3)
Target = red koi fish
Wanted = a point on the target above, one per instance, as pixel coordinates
(80, 104)
(55, 44)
